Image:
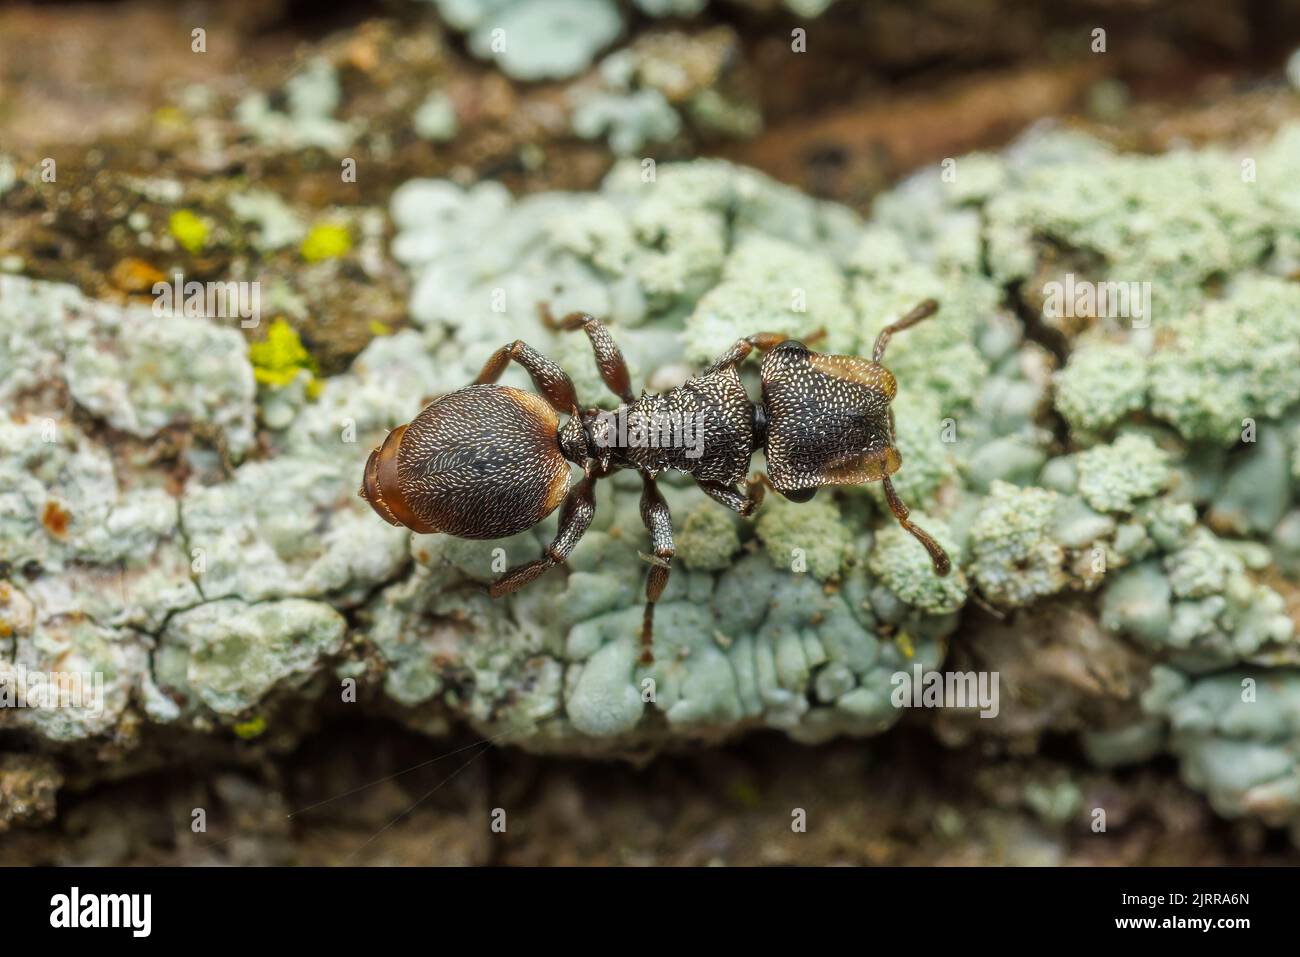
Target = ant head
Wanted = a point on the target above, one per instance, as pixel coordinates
(481, 462)
(828, 420)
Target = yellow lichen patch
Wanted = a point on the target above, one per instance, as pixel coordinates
(378, 328)
(190, 230)
(169, 117)
(251, 728)
(326, 241)
(744, 793)
(280, 357)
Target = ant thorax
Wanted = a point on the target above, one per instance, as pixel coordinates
(704, 428)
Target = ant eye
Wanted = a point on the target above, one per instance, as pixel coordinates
(800, 494)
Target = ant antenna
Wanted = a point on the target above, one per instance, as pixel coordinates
(938, 557)
(924, 311)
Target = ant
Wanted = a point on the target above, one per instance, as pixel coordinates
(488, 461)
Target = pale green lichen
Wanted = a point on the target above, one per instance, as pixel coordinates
(1101, 383)
(671, 8)
(708, 539)
(1014, 558)
(535, 39)
(904, 567)
(1175, 221)
(1137, 601)
(1203, 567)
(700, 244)
(1199, 604)
(555, 39)
(1233, 360)
(102, 665)
(773, 285)
(642, 94)
(941, 356)
(628, 121)
(1055, 801)
(276, 223)
(239, 652)
(1131, 744)
(435, 118)
(311, 96)
(1115, 477)
(1256, 488)
(8, 175)
(682, 261)
(1285, 542)
(713, 111)
(137, 372)
(1237, 737)
(926, 442)
(806, 536)
(1167, 521)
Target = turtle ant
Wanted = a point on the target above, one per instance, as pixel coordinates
(488, 461)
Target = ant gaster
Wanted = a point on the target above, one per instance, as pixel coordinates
(489, 461)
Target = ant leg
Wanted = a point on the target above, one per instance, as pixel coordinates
(937, 555)
(746, 503)
(609, 360)
(548, 378)
(762, 341)
(575, 518)
(659, 523)
(924, 310)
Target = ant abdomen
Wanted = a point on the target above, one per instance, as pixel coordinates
(481, 462)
